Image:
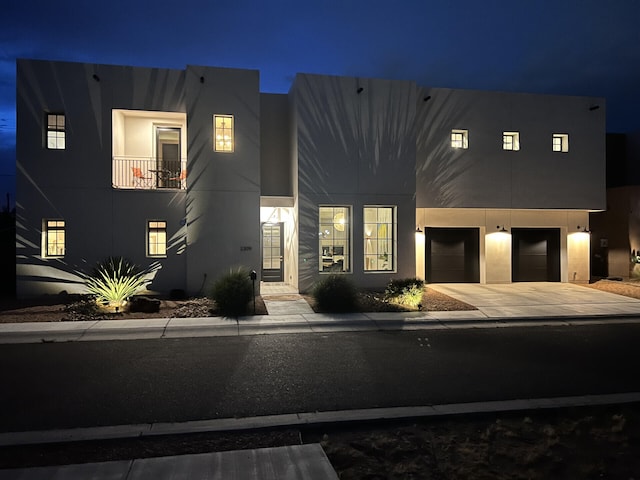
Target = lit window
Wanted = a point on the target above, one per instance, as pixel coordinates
(53, 238)
(459, 138)
(55, 131)
(511, 141)
(379, 238)
(156, 238)
(560, 142)
(223, 133)
(335, 234)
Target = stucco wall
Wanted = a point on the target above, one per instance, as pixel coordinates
(354, 149)
(485, 175)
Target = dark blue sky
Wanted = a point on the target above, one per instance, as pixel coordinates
(575, 47)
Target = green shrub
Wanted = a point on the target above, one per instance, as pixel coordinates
(405, 291)
(232, 292)
(114, 280)
(335, 293)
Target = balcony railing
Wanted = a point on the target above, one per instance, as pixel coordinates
(145, 173)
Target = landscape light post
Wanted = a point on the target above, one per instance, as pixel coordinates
(253, 275)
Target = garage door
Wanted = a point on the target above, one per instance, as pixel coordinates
(452, 255)
(535, 255)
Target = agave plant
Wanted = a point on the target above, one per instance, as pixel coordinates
(114, 280)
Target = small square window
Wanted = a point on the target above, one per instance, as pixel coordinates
(53, 238)
(56, 131)
(223, 140)
(459, 138)
(156, 238)
(560, 142)
(511, 141)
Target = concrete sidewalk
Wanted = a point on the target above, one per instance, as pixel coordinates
(520, 304)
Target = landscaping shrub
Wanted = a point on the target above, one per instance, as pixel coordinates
(232, 293)
(335, 293)
(405, 291)
(114, 280)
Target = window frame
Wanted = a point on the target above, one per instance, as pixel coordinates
(513, 144)
(219, 133)
(59, 132)
(463, 142)
(373, 243)
(152, 232)
(332, 247)
(51, 226)
(563, 146)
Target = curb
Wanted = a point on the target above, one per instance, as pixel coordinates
(308, 419)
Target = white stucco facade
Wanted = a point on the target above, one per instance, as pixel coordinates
(379, 155)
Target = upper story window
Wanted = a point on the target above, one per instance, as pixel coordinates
(334, 246)
(53, 238)
(156, 238)
(459, 138)
(379, 238)
(511, 140)
(223, 133)
(560, 142)
(56, 131)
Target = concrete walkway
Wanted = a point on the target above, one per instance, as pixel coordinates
(522, 304)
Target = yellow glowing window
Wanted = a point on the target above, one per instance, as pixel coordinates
(511, 141)
(223, 133)
(379, 238)
(157, 238)
(54, 238)
(334, 225)
(459, 138)
(560, 142)
(56, 131)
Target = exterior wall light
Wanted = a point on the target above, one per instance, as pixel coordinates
(501, 229)
(418, 229)
(359, 91)
(584, 229)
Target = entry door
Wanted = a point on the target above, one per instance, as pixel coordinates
(272, 252)
(167, 157)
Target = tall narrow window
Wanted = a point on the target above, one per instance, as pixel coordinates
(156, 238)
(223, 133)
(459, 138)
(560, 142)
(335, 236)
(379, 239)
(511, 141)
(53, 241)
(56, 131)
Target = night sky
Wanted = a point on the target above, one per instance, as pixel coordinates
(574, 47)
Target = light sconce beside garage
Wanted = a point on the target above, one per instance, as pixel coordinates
(418, 229)
(584, 229)
(501, 229)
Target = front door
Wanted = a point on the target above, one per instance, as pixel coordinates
(272, 252)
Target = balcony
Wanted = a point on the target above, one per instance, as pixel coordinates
(144, 173)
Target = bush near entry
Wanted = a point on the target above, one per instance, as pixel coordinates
(232, 293)
(335, 293)
(405, 291)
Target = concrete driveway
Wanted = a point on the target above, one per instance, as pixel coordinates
(539, 299)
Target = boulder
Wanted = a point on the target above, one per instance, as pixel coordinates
(144, 305)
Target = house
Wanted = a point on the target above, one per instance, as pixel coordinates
(193, 172)
(615, 237)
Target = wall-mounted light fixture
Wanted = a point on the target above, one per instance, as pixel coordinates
(501, 229)
(201, 79)
(418, 229)
(594, 107)
(584, 229)
(359, 90)
(96, 77)
(427, 98)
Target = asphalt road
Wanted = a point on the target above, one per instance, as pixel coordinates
(64, 385)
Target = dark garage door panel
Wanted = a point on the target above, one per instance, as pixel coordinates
(453, 255)
(536, 255)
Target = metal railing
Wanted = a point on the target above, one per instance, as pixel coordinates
(147, 173)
